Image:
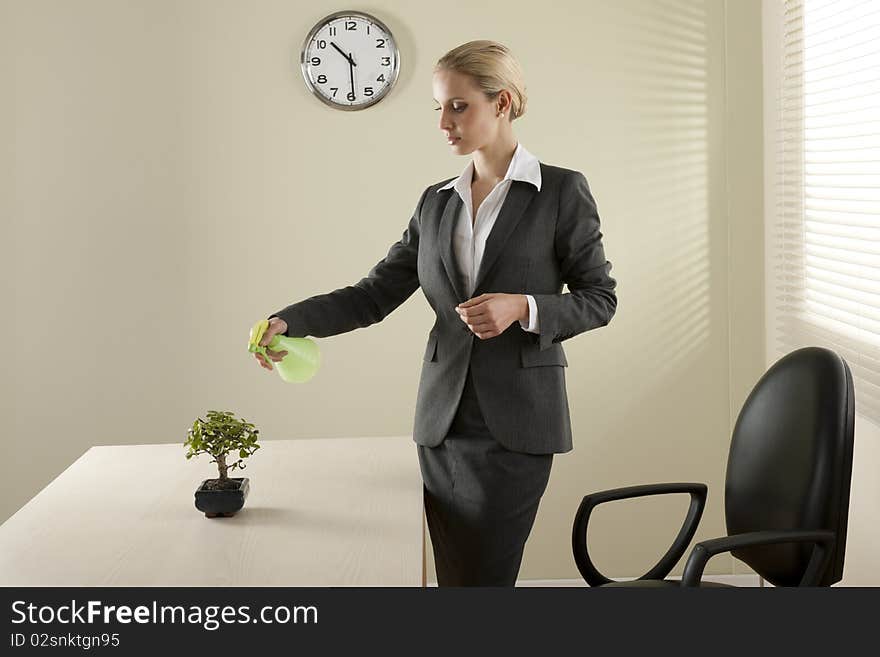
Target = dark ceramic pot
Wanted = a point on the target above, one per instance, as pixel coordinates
(222, 503)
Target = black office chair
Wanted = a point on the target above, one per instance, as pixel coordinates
(786, 489)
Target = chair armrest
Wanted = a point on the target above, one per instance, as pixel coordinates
(579, 531)
(705, 550)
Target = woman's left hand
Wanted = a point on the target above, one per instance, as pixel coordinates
(490, 314)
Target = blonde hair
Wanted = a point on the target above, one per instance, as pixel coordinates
(492, 67)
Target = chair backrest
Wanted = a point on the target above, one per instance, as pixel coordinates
(790, 462)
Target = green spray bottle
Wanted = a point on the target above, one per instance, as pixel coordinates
(302, 360)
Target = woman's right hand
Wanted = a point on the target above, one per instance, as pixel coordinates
(276, 326)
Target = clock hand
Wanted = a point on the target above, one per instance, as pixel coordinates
(351, 69)
(333, 43)
(348, 57)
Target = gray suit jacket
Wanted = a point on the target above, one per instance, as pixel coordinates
(539, 241)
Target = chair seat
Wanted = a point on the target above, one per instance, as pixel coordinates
(664, 583)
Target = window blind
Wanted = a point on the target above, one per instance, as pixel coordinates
(826, 209)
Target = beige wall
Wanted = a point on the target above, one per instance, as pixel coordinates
(174, 181)
(745, 222)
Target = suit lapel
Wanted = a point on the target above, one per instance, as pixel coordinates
(447, 224)
(518, 197)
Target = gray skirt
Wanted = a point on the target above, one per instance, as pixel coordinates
(480, 500)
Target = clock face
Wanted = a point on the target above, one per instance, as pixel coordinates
(350, 60)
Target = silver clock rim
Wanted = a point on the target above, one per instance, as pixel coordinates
(317, 28)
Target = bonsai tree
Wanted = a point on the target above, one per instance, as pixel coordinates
(220, 434)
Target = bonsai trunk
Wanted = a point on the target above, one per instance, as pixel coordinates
(221, 465)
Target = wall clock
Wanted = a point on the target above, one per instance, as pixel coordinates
(350, 60)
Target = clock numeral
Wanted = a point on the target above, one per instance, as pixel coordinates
(386, 61)
(322, 44)
(316, 61)
(332, 30)
(350, 95)
(368, 29)
(368, 91)
(322, 79)
(334, 90)
(380, 43)
(350, 25)
(381, 78)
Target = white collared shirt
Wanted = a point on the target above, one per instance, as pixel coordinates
(469, 237)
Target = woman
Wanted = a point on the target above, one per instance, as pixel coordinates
(491, 250)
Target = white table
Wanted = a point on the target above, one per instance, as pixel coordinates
(320, 512)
